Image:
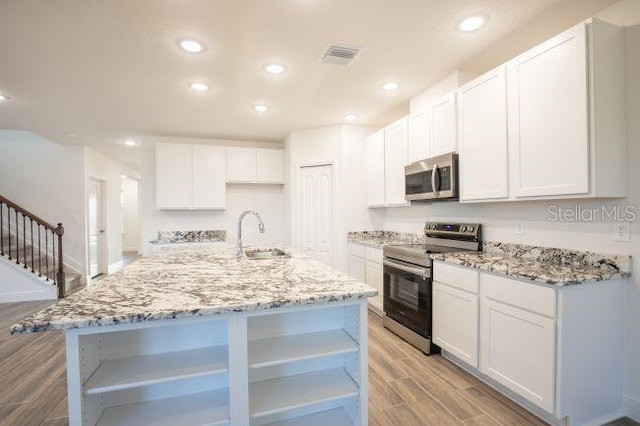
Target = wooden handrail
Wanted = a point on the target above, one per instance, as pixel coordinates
(57, 254)
(27, 213)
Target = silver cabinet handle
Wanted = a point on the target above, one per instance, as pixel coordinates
(421, 272)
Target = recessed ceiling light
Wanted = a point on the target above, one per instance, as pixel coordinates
(350, 117)
(123, 176)
(199, 86)
(390, 86)
(191, 45)
(275, 68)
(472, 23)
(4, 97)
(130, 142)
(260, 108)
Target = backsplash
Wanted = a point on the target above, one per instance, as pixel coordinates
(211, 235)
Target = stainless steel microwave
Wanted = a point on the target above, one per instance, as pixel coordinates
(435, 178)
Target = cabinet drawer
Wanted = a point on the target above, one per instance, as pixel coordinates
(374, 254)
(524, 295)
(456, 276)
(356, 250)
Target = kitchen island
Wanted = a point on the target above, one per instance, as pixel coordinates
(195, 335)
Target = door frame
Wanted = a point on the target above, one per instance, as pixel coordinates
(334, 239)
(104, 245)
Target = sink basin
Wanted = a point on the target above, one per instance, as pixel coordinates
(274, 253)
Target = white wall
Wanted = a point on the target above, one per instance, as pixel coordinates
(46, 179)
(343, 146)
(268, 200)
(130, 212)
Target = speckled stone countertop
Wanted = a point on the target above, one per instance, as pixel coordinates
(206, 236)
(554, 266)
(187, 281)
(377, 239)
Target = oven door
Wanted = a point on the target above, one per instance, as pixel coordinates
(407, 295)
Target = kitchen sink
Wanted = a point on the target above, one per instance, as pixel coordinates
(273, 253)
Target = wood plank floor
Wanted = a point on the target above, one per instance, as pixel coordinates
(406, 387)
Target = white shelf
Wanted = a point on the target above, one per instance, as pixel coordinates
(127, 373)
(200, 409)
(301, 390)
(335, 417)
(282, 349)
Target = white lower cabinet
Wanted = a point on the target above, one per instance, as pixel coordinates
(556, 350)
(286, 366)
(365, 264)
(455, 322)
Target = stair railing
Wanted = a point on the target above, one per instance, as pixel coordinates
(24, 237)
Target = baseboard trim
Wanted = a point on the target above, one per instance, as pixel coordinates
(606, 419)
(632, 408)
(115, 267)
(136, 249)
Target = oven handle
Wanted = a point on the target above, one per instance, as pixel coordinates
(421, 272)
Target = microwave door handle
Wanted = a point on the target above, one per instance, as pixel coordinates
(434, 188)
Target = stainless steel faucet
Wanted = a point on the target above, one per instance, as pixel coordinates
(260, 228)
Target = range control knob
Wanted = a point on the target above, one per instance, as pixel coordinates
(470, 229)
(463, 228)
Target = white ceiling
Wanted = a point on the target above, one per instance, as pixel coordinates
(98, 71)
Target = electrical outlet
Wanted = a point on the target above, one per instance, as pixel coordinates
(519, 227)
(622, 231)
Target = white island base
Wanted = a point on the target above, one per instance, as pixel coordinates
(298, 365)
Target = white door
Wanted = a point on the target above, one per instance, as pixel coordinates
(396, 138)
(375, 169)
(444, 137)
(518, 351)
(96, 228)
(548, 115)
(316, 212)
(455, 322)
(482, 105)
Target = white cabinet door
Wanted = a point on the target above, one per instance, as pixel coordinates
(241, 165)
(517, 349)
(375, 278)
(357, 268)
(173, 177)
(209, 189)
(548, 109)
(455, 322)
(395, 158)
(375, 169)
(444, 137)
(419, 137)
(270, 165)
(482, 108)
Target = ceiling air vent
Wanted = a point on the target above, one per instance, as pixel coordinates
(340, 54)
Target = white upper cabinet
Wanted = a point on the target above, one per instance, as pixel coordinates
(566, 115)
(444, 137)
(209, 191)
(482, 107)
(255, 165)
(270, 165)
(375, 169)
(190, 177)
(395, 158)
(419, 144)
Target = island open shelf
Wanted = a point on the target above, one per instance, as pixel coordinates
(298, 365)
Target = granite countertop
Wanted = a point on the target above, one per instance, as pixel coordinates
(546, 265)
(377, 239)
(188, 281)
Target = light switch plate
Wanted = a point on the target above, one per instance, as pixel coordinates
(622, 231)
(519, 227)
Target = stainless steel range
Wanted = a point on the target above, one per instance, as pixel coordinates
(408, 279)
